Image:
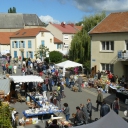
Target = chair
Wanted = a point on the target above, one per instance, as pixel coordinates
(21, 98)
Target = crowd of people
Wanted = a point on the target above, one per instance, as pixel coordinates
(53, 77)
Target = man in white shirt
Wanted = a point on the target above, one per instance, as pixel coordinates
(15, 67)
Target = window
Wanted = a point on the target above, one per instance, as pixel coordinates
(65, 46)
(72, 36)
(15, 44)
(107, 45)
(50, 40)
(43, 43)
(42, 33)
(29, 44)
(58, 46)
(22, 44)
(15, 54)
(126, 44)
(12, 44)
(107, 67)
(66, 37)
(23, 33)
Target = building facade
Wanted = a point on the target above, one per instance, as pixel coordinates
(109, 44)
(65, 33)
(25, 42)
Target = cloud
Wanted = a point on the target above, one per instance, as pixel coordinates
(92, 6)
(47, 19)
(101, 5)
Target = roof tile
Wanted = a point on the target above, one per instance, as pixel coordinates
(31, 32)
(57, 41)
(5, 37)
(115, 22)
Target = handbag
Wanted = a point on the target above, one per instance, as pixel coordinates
(126, 113)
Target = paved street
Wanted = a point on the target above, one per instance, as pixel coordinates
(73, 99)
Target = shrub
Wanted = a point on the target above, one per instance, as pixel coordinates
(55, 56)
(46, 60)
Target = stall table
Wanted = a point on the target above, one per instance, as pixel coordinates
(121, 96)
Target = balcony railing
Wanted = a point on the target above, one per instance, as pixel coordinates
(123, 54)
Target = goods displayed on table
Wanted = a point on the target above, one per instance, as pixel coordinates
(44, 107)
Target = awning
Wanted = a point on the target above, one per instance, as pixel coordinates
(28, 78)
(5, 85)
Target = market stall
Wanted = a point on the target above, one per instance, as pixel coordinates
(5, 89)
(27, 78)
(40, 106)
(122, 95)
(68, 64)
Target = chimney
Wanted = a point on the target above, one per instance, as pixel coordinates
(63, 24)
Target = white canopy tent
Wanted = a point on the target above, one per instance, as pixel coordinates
(28, 78)
(68, 64)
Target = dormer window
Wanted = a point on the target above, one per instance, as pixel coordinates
(42, 33)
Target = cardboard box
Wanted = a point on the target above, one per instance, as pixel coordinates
(28, 121)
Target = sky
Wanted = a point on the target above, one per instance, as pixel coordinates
(57, 11)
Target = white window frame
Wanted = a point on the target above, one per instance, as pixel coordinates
(59, 46)
(66, 37)
(109, 49)
(109, 67)
(66, 46)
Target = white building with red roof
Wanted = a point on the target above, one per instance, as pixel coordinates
(64, 32)
(25, 42)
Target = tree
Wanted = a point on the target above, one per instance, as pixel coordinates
(55, 56)
(42, 51)
(12, 10)
(80, 45)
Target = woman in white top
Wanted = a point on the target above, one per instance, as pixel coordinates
(15, 67)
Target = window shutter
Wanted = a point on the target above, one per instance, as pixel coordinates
(23, 44)
(57, 46)
(15, 54)
(30, 44)
(19, 44)
(12, 44)
(26, 54)
(31, 54)
(42, 43)
(16, 44)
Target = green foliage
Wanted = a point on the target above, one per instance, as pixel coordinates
(87, 65)
(5, 116)
(55, 56)
(77, 60)
(80, 45)
(42, 51)
(12, 10)
(46, 60)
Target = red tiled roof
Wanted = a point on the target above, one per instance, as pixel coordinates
(79, 28)
(66, 28)
(57, 41)
(30, 32)
(5, 37)
(115, 22)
